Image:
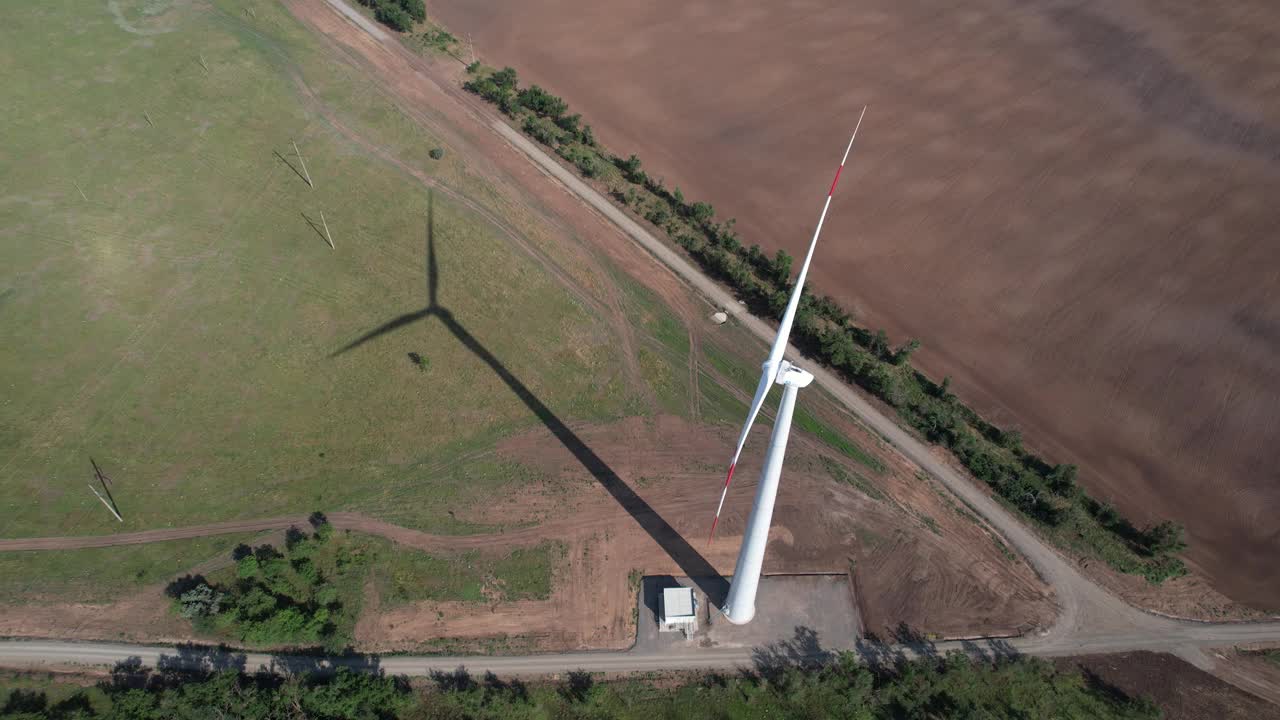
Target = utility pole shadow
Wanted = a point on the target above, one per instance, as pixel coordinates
(691, 562)
(295, 170)
(105, 482)
(316, 228)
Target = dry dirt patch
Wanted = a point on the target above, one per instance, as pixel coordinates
(945, 576)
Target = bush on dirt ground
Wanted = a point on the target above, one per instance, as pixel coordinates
(1043, 492)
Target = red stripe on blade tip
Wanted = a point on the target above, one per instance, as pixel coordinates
(833, 182)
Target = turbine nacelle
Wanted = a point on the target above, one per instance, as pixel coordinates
(792, 375)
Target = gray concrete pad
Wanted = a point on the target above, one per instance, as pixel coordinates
(795, 614)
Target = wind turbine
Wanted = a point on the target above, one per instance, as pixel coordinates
(740, 607)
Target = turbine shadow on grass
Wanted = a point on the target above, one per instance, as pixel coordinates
(689, 559)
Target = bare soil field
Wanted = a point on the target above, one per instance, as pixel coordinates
(1071, 205)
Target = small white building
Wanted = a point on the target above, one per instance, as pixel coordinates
(679, 610)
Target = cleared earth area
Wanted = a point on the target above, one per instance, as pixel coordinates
(1070, 204)
(480, 367)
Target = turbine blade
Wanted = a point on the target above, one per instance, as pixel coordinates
(762, 391)
(774, 361)
(789, 316)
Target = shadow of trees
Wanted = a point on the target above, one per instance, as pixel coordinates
(803, 651)
(35, 703)
(192, 658)
(577, 686)
(908, 643)
(178, 586)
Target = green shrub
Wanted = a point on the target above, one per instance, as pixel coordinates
(542, 130)
(415, 9)
(200, 601)
(541, 102)
(436, 153)
(506, 79)
(393, 16)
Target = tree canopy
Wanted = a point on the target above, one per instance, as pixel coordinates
(953, 687)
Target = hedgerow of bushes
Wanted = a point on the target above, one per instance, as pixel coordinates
(1046, 493)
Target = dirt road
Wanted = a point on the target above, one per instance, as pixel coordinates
(1182, 639)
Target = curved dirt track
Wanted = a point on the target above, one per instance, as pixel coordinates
(340, 520)
(149, 536)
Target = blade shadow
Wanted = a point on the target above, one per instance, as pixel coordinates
(383, 329)
(690, 561)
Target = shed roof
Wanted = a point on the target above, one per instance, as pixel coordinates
(677, 602)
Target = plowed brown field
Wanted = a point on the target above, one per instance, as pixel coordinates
(1072, 205)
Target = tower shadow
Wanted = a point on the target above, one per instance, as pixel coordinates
(691, 562)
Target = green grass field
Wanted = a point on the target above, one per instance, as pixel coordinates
(178, 325)
(523, 574)
(170, 308)
(102, 574)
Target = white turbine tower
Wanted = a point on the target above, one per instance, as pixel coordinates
(740, 607)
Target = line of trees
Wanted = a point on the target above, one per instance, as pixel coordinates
(953, 687)
(1045, 492)
(543, 116)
